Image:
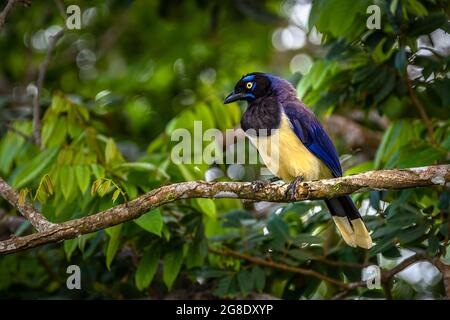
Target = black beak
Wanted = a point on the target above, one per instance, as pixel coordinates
(234, 97)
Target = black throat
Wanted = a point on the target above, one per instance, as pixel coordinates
(263, 113)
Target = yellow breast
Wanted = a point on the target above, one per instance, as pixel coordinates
(286, 156)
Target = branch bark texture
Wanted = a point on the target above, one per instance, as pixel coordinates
(7, 9)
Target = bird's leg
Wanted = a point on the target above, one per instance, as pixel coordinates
(292, 187)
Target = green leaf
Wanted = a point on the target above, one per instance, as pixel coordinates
(386, 89)
(147, 268)
(97, 183)
(245, 281)
(57, 136)
(318, 68)
(112, 153)
(402, 290)
(151, 221)
(338, 17)
(300, 255)
(48, 184)
(23, 193)
(187, 175)
(203, 113)
(59, 103)
(45, 189)
(433, 246)
(82, 111)
(307, 238)
(10, 146)
(416, 8)
(34, 168)
(116, 194)
(427, 24)
(69, 247)
(172, 265)
(83, 175)
(141, 166)
(382, 245)
(259, 278)
(98, 170)
(207, 206)
(378, 55)
(398, 134)
(66, 177)
(113, 244)
(48, 126)
(362, 167)
(279, 230)
(415, 155)
(400, 59)
(224, 287)
(104, 187)
(198, 251)
(386, 231)
(412, 234)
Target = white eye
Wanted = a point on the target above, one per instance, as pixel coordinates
(249, 85)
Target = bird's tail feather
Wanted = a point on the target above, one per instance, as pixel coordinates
(349, 222)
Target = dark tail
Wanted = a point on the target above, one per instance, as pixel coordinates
(349, 222)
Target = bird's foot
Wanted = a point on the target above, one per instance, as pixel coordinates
(292, 187)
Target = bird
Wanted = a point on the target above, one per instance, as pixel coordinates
(302, 150)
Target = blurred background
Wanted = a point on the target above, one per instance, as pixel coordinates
(135, 71)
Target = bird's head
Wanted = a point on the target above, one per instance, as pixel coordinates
(251, 87)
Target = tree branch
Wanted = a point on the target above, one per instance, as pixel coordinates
(39, 84)
(445, 270)
(274, 192)
(386, 276)
(26, 209)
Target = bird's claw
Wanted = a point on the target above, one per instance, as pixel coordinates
(292, 187)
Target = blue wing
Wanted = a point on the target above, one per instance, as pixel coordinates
(309, 130)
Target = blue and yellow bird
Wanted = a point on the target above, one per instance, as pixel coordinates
(302, 149)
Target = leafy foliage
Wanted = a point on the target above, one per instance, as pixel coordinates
(157, 67)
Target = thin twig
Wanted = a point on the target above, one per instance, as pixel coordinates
(7, 9)
(279, 266)
(39, 84)
(61, 8)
